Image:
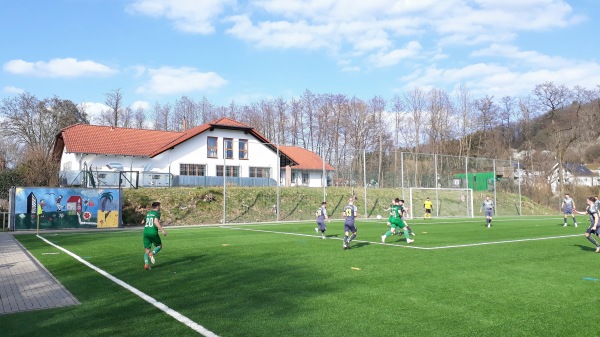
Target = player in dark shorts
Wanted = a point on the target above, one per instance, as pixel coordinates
(321, 217)
(568, 207)
(488, 207)
(592, 211)
(350, 212)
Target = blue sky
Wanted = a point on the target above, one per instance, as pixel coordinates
(161, 50)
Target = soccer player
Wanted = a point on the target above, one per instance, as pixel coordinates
(321, 217)
(568, 206)
(396, 222)
(428, 205)
(151, 227)
(488, 206)
(592, 211)
(404, 214)
(350, 212)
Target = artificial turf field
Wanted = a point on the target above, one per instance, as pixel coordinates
(523, 277)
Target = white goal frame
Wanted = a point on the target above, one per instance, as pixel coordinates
(469, 211)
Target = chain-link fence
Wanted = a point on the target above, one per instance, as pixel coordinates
(288, 183)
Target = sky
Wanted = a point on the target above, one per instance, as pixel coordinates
(245, 51)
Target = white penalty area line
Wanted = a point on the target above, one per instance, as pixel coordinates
(503, 241)
(411, 246)
(179, 317)
(318, 237)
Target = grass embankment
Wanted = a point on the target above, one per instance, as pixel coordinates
(204, 205)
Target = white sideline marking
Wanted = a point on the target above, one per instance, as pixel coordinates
(411, 246)
(319, 237)
(181, 318)
(504, 241)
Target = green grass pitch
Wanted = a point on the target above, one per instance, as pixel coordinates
(522, 277)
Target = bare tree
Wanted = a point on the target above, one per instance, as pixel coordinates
(464, 107)
(486, 116)
(114, 100)
(139, 118)
(507, 111)
(33, 124)
(185, 114)
(416, 102)
(377, 106)
(553, 99)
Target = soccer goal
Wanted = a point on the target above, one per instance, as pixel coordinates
(447, 202)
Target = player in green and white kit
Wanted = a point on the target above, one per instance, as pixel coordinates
(151, 227)
(404, 215)
(396, 222)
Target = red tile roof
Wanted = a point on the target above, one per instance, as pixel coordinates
(307, 160)
(85, 138)
(107, 140)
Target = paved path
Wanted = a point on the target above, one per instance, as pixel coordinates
(24, 283)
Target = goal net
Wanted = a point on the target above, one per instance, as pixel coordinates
(447, 202)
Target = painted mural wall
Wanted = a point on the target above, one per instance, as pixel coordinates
(65, 208)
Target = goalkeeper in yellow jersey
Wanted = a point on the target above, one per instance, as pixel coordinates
(428, 205)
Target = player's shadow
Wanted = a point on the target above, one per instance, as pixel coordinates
(586, 248)
(332, 236)
(360, 244)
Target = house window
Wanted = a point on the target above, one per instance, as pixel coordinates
(192, 170)
(260, 172)
(305, 178)
(230, 171)
(243, 148)
(212, 147)
(228, 146)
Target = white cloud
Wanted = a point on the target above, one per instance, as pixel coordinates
(171, 81)
(532, 58)
(93, 109)
(371, 31)
(190, 16)
(393, 57)
(65, 67)
(13, 90)
(492, 79)
(140, 104)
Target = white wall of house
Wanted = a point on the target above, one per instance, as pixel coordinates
(195, 151)
(192, 151)
(572, 180)
(307, 178)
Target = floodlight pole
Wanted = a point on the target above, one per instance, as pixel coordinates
(224, 187)
(519, 178)
(437, 198)
(323, 179)
(467, 182)
(278, 180)
(365, 178)
(495, 203)
(402, 173)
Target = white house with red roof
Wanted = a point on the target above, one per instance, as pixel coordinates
(200, 156)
